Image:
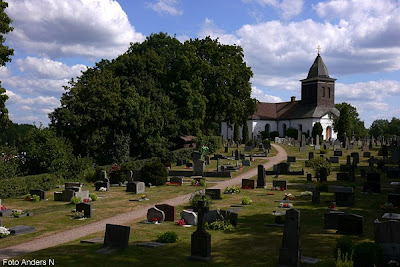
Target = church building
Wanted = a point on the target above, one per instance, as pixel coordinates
(317, 104)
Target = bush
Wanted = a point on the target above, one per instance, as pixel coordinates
(202, 183)
(322, 151)
(266, 143)
(75, 200)
(246, 201)
(265, 135)
(273, 134)
(182, 153)
(28, 197)
(154, 173)
(93, 196)
(35, 198)
(168, 237)
(199, 195)
(317, 163)
(232, 190)
(322, 187)
(220, 225)
(344, 245)
(250, 142)
(367, 254)
(21, 185)
(292, 132)
(212, 142)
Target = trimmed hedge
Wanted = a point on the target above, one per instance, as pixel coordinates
(19, 186)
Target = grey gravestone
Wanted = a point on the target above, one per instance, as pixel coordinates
(365, 149)
(310, 155)
(280, 184)
(317, 145)
(86, 208)
(334, 160)
(190, 217)
(21, 229)
(331, 219)
(176, 180)
(290, 253)
(246, 162)
(196, 155)
(214, 193)
(248, 148)
(387, 235)
(200, 239)
(169, 211)
(135, 187)
(248, 184)
(261, 179)
(344, 196)
(342, 176)
(39, 192)
(338, 153)
(6, 212)
(316, 197)
(323, 174)
(154, 213)
(236, 154)
(350, 224)
(117, 236)
(198, 167)
(291, 159)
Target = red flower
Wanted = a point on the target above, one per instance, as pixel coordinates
(86, 200)
(168, 183)
(154, 219)
(3, 207)
(180, 222)
(282, 189)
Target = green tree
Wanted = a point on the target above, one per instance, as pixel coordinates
(356, 125)
(317, 129)
(245, 133)
(343, 125)
(236, 132)
(292, 132)
(394, 127)
(379, 128)
(5, 56)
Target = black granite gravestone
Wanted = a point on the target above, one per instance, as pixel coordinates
(290, 253)
(200, 239)
(261, 179)
(86, 208)
(117, 236)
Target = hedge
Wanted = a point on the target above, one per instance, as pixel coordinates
(18, 186)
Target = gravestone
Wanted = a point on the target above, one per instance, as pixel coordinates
(338, 153)
(248, 184)
(198, 167)
(117, 236)
(394, 199)
(246, 162)
(207, 159)
(373, 183)
(280, 184)
(290, 253)
(366, 154)
(336, 145)
(190, 217)
(356, 157)
(317, 145)
(86, 208)
(310, 155)
(214, 215)
(283, 168)
(236, 154)
(200, 239)
(248, 148)
(387, 235)
(348, 160)
(316, 197)
(342, 176)
(169, 211)
(100, 184)
(261, 178)
(214, 193)
(291, 159)
(155, 213)
(176, 180)
(323, 174)
(334, 160)
(135, 187)
(21, 229)
(344, 196)
(196, 155)
(331, 219)
(6, 212)
(39, 192)
(352, 176)
(350, 224)
(309, 177)
(226, 149)
(189, 165)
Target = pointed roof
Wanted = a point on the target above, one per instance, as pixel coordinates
(318, 69)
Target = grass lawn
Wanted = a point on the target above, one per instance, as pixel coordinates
(251, 243)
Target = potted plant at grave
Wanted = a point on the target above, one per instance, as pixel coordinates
(79, 214)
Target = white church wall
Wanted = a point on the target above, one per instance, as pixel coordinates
(259, 126)
(326, 122)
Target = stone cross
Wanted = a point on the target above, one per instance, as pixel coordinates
(200, 239)
(319, 49)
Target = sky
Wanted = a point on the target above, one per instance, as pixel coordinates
(54, 40)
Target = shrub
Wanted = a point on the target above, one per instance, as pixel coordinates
(199, 195)
(344, 245)
(75, 200)
(322, 151)
(250, 142)
(35, 198)
(154, 173)
(266, 143)
(116, 174)
(202, 183)
(367, 254)
(219, 225)
(246, 201)
(28, 197)
(93, 196)
(212, 142)
(292, 132)
(317, 163)
(273, 134)
(168, 237)
(232, 190)
(265, 135)
(182, 153)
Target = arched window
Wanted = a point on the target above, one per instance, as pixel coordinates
(284, 129)
(329, 92)
(301, 127)
(267, 128)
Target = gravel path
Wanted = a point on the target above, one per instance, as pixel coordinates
(76, 233)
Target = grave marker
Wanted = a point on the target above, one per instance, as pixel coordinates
(117, 236)
(169, 211)
(200, 239)
(155, 214)
(261, 178)
(290, 254)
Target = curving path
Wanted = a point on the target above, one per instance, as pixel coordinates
(73, 234)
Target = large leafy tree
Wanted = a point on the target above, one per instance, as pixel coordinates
(385, 128)
(343, 125)
(356, 125)
(5, 56)
(136, 104)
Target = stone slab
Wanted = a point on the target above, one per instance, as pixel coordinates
(21, 229)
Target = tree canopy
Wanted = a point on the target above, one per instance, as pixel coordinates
(139, 102)
(355, 125)
(385, 128)
(5, 56)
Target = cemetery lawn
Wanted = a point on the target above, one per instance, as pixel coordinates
(51, 216)
(252, 242)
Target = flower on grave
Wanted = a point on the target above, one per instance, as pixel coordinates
(4, 231)
(102, 189)
(306, 193)
(16, 213)
(387, 206)
(282, 189)
(168, 183)
(154, 219)
(285, 205)
(3, 207)
(79, 214)
(270, 194)
(143, 196)
(181, 222)
(86, 200)
(247, 187)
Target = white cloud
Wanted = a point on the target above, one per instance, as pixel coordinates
(287, 8)
(166, 6)
(210, 29)
(53, 28)
(263, 97)
(374, 91)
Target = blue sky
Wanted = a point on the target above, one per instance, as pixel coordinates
(55, 40)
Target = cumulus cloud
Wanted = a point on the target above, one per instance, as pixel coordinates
(287, 8)
(166, 6)
(91, 28)
(374, 91)
(263, 97)
(209, 28)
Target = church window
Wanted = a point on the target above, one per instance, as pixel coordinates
(329, 92)
(301, 127)
(323, 91)
(267, 128)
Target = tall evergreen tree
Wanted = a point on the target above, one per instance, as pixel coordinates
(343, 125)
(317, 129)
(245, 133)
(236, 132)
